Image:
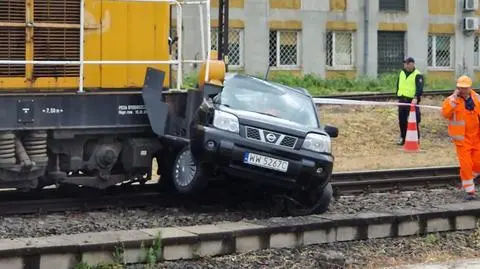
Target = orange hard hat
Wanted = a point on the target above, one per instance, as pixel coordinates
(464, 82)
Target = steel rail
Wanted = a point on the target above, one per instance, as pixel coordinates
(137, 196)
(390, 179)
(381, 96)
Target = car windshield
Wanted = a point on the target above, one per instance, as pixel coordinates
(255, 95)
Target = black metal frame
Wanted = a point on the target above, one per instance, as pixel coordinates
(223, 30)
(153, 108)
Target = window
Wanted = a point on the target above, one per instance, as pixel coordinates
(235, 46)
(340, 52)
(265, 97)
(393, 5)
(440, 51)
(476, 52)
(284, 49)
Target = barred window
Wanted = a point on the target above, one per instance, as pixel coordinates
(284, 48)
(440, 51)
(235, 46)
(476, 52)
(340, 52)
(393, 5)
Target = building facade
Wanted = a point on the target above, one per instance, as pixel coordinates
(329, 38)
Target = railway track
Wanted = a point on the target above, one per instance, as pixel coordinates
(404, 179)
(137, 196)
(238, 235)
(382, 96)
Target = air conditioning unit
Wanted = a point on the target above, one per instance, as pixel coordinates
(470, 5)
(470, 24)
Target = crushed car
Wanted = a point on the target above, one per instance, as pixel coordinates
(264, 132)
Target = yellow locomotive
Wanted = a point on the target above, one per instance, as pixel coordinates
(105, 128)
(49, 30)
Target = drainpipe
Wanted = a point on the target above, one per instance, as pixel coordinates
(365, 37)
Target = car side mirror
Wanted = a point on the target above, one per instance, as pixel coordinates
(332, 131)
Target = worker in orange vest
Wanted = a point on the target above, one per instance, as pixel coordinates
(462, 109)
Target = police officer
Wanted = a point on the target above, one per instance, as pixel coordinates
(409, 90)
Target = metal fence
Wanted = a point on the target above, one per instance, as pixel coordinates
(440, 49)
(339, 50)
(235, 46)
(476, 51)
(284, 48)
(391, 51)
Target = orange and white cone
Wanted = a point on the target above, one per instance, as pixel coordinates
(411, 139)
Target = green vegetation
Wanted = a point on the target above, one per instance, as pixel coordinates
(190, 80)
(153, 254)
(118, 261)
(149, 257)
(320, 86)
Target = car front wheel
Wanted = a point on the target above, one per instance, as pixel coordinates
(188, 175)
(314, 200)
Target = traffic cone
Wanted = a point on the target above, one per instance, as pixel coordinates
(411, 139)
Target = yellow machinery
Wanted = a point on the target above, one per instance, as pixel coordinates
(56, 128)
(42, 30)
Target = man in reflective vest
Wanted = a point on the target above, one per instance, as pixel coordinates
(409, 90)
(462, 110)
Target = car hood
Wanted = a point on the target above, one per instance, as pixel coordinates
(270, 122)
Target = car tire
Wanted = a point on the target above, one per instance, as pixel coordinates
(320, 204)
(188, 175)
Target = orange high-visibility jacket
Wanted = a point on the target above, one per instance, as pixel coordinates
(454, 111)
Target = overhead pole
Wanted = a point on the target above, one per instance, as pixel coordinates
(222, 41)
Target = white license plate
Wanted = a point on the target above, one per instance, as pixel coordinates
(265, 162)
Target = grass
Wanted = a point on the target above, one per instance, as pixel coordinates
(318, 86)
(149, 257)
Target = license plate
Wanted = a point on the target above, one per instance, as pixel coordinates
(265, 162)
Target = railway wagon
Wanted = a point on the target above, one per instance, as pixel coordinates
(96, 131)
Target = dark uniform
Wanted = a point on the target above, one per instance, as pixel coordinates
(409, 86)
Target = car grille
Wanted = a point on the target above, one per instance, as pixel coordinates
(270, 137)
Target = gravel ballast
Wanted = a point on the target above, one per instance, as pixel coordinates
(355, 254)
(125, 219)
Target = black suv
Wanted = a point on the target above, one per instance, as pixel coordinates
(262, 131)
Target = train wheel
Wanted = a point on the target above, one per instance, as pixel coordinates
(312, 201)
(188, 175)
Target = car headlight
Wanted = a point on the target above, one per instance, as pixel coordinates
(225, 121)
(317, 143)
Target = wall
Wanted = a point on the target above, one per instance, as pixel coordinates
(318, 16)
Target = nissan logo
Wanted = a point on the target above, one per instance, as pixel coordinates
(271, 137)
